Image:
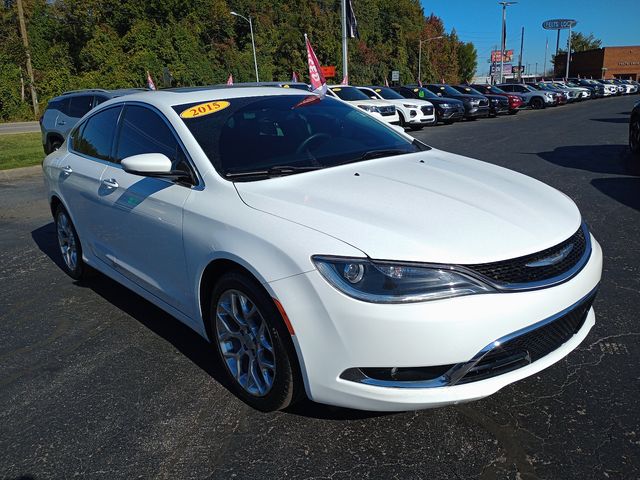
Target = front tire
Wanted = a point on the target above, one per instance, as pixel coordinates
(69, 245)
(634, 135)
(537, 103)
(253, 344)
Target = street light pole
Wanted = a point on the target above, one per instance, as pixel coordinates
(504, 35)
(253, 43)
(568, 53)
(420, 55)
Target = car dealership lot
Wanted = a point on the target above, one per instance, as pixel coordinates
(97, 382)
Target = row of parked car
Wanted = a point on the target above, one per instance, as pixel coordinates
(411, 106)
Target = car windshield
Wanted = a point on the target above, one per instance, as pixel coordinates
(349, 93)
(445, 90)
(253, 138)
(467, 90)
(422, 92)
(493, 89)
(387, 93)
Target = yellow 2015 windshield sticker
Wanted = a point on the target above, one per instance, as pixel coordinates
(204, 109)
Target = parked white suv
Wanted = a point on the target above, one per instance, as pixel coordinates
(414, 114)
(380, 109)
(321, 251)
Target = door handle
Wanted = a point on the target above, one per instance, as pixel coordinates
(67, 170)
(62, 122)
(110, 183)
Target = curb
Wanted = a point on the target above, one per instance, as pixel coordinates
(16, 173)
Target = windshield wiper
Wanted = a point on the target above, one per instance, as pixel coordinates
(382, 153)
(275, 171)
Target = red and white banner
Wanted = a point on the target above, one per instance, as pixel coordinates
(318, 83)
(230, 79)
(150, 84)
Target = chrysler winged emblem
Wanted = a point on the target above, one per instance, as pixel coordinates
(551, 259)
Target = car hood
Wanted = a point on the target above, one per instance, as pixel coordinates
(429, 206)
(375, 103)
(409, 101)
(440, 100)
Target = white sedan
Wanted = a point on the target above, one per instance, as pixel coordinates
(322, 252)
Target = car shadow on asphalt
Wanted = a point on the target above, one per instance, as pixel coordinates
(625, 190)
(611, 120)
(188, 342)
(610, 159)
(192, 345)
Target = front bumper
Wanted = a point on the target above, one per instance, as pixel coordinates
(477, 112)
(454, 113)
(334, 333)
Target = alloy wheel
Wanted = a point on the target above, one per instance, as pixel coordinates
(67, 241)
(634, 135)
(245, 343)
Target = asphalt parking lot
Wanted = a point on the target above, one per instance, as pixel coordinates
(97, 383)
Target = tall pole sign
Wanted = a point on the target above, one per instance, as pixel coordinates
(561, 24)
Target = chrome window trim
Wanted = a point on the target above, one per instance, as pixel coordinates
(458, 371)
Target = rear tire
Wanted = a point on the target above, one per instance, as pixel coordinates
(69, 245)
(253, 344)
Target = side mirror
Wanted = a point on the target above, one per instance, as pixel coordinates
(147, 164)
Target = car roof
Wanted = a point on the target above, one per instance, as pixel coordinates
(94, 91)
(180, 96)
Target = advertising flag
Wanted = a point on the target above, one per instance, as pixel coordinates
(352, 23)
(318, 83)
(230, 79)
(150, 84)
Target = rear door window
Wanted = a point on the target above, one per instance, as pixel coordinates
(95, 137)
(79, 105)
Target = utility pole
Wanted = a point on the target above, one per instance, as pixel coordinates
(544, 65)
(345, 60)
(568, 52)
(520, 56)
(25, 42)
(504, 35)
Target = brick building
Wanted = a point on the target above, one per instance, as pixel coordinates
(610, 62)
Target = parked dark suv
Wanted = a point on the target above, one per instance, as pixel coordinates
(475, 106)
(448, 110)
(498, 104)
(63, 112)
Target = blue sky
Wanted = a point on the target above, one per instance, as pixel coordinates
(615, 22)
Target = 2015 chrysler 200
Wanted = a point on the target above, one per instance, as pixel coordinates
(320, 250)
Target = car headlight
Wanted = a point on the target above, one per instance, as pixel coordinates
(384, 282)
(408, 105)
(369, 108)
(445, 105)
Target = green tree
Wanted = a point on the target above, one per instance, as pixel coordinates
(467, 61)
(112, 43)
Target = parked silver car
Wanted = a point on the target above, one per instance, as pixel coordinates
(532, 97)
(63, 112)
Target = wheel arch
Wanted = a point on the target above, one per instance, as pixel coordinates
(214, 270)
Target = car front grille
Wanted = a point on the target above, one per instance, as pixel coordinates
(531, 345)
(484, 103)
(427, 110)
(387, 111)
(537, 267)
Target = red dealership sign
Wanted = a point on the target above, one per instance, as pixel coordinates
(328, 72)
(496, 56)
